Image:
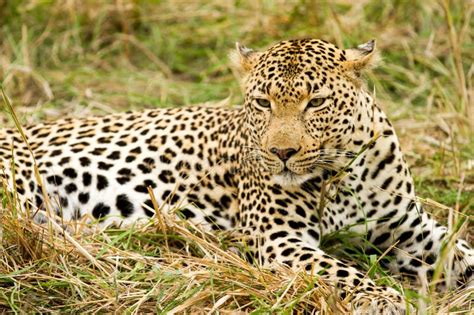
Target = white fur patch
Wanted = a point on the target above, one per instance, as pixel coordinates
(289, 179)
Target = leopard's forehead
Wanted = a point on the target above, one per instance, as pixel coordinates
(296, 68)
(293, 56)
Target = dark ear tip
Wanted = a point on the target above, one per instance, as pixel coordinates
(368, 47)
(244, 51)
(372, 43)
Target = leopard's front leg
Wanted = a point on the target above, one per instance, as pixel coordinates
(424, 248)
(288, 247)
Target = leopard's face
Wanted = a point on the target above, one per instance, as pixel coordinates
(301, 104)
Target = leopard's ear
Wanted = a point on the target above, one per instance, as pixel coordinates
(363, 57)
(243, 58)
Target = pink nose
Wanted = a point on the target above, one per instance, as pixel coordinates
(284, 154)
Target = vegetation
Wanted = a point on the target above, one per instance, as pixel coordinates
(79, 58)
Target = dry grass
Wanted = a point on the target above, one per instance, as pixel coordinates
(142, 270)
(80, 58)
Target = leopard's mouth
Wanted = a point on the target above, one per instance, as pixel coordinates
(288, 173)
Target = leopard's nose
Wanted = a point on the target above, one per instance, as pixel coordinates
(284, 154)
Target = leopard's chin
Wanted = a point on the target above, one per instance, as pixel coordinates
(288, 178)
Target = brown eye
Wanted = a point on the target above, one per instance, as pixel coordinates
(316, 103)
(263, 102)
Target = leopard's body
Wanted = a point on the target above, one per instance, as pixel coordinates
(307, 127)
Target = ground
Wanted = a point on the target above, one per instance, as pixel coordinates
(78, 58)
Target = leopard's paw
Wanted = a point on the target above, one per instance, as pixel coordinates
(381, 301)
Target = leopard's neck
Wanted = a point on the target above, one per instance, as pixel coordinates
(379, 154)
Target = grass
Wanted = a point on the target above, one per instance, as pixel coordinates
(79, 58)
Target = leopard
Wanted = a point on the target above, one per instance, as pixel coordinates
(310, 152)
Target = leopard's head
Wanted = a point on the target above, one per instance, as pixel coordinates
(301, 98)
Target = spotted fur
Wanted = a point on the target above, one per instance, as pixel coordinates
(309, 153)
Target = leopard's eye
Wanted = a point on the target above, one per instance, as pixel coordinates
(316, 103)
(263, 102)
